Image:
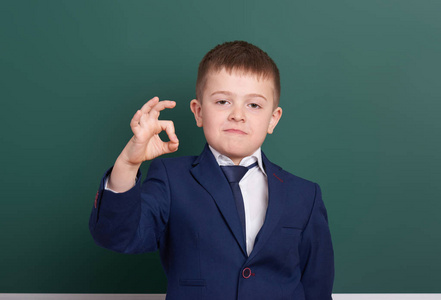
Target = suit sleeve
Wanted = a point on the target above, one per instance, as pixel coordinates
(316, 253)
(133, 221)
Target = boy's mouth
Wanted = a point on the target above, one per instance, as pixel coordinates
(235, 131)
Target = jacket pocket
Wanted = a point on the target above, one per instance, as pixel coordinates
(192, 282)
(193, 289)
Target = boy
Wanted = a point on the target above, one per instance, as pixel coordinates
(261, 235)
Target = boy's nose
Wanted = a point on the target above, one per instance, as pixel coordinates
(237, 114)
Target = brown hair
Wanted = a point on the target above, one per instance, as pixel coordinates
(238, 56)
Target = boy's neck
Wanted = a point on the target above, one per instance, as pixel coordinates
(216, 154)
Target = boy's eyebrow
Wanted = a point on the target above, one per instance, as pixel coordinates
(231, 94)
(257, 95)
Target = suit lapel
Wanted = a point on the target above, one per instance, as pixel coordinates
(276, 202)
(208, 173)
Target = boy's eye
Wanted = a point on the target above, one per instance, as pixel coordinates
(222, 102)
(254, 105)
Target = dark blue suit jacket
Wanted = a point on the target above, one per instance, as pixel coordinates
(185, 208)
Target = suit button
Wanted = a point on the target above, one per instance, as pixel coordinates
(246, 273)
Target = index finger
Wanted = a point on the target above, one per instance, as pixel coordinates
(149, 105)
(161, 105)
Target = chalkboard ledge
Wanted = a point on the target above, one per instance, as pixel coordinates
(162, 296)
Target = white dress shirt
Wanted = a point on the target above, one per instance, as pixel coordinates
(254, 188)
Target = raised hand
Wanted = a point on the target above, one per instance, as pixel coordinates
(145, 143)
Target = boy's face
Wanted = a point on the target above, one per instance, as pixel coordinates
(236, 113)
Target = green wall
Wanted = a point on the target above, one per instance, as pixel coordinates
(361, 99)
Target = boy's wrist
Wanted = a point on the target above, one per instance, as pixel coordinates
(123, 175)
(123, 163)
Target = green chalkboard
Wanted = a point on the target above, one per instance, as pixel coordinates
(361, 101)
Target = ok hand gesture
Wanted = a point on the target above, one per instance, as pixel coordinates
(146, 143)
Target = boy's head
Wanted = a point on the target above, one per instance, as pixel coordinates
(237, 89)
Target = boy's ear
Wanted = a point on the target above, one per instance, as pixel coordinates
(196, 108)
(275, 117)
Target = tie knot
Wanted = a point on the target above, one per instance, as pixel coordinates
(236, 173)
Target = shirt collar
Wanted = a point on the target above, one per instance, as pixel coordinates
(224, 160)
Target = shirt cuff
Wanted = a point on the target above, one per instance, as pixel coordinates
(106, 180)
